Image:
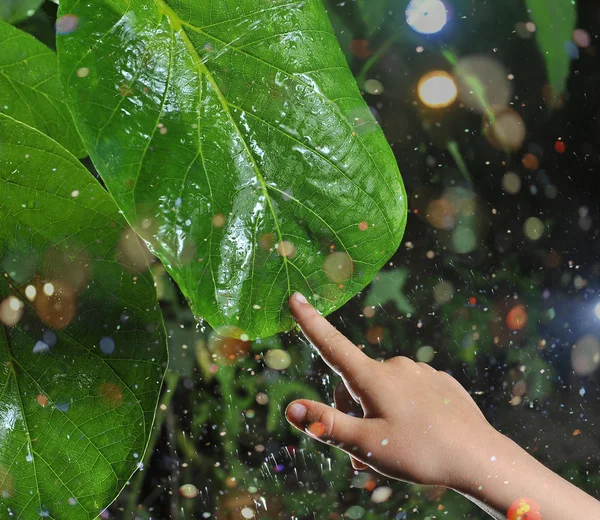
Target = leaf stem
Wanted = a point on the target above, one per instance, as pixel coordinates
(379, 53)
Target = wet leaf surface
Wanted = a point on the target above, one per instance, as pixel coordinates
(30, 90)
(82, 344)
(237, 144)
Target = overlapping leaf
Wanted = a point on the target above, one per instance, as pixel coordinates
(234, 139)
(30, 90)
(82, 344)
(14, 11)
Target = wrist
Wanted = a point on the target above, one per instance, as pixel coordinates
(483, 460)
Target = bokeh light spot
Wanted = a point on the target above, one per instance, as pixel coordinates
(533, 228)
(360, 49)
(218, 220)
(524, 509)
(226, 343)
(11, 311)
(443, 292)
(317, 429)
(111, 394)
(286, 248)
(188, 491)
(278, 359)
(582, 38)
(506, 131)
(437, 89)
(516, 319)
(30, 292)
(425, 354)
(338, 267)
(511, 183)
(373, 87)
(426, 16)
(531, 162)
(107, 346)
(66, 24)
(42, 400)
(585, 356)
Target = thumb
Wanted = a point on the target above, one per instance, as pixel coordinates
(326, 424)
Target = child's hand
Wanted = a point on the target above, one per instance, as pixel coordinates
(417, 422)
(408, 421)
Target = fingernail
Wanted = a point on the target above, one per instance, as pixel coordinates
(300, 298)
(296, 413)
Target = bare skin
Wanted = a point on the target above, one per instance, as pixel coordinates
(410, 422)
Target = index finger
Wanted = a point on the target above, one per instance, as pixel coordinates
(339, 353)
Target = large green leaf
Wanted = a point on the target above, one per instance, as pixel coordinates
(554, 21)
(82, 359)
(30, 90)
(226, 128)
(14, 11)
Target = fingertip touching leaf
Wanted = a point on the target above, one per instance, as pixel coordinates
(82, 343)
(30, 89)
(237, 144)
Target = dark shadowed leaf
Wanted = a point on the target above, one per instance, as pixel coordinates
(554, 24)
(30, 90)
(14, 11)
(82, 344)
(234, 139)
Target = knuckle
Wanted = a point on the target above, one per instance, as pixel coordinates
(400, 362)
(327, 417)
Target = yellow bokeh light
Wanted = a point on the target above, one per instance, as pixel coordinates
(48, 289)
(437, 89)
(30, 292)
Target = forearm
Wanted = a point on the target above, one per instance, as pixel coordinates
(496, 472)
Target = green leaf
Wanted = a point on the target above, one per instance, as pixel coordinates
(30, 89)
(554, 21)
(387, 287)
(14, 11)
(232, 134)
(82, 360)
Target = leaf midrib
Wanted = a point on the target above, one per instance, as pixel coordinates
(176, 25)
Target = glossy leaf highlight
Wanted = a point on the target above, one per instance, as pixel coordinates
(235, 140)
(82, 344)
